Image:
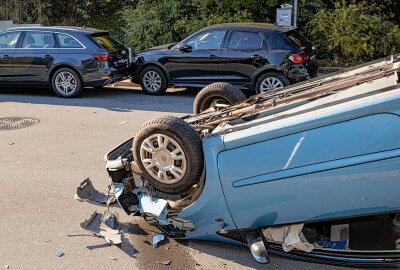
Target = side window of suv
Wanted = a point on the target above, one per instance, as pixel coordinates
(38, 40)
(209, 40)
(244, 40)
(66, 41)
(9, 40)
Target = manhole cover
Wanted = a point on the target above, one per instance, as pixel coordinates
(9, 123)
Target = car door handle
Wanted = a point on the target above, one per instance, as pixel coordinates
(46, 57)
(6, 56)
(256, 56)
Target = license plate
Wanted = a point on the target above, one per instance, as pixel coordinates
(120, 62)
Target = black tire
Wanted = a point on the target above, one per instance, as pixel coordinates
(273, 75)
(146, 87)
(188, 140)
(226, 92)
(76, 80)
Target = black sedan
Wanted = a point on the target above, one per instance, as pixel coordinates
(256, 57)
(65, 58)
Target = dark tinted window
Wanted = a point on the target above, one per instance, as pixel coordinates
(278, 41)
(38, 40)
(245, 40)
(67, 41)
(107, 42)
(9, 40)
(296, 39)
(208, 40)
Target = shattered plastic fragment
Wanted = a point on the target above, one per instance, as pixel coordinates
(87, 192)
(110, 219)
(165, 262)
(157, 239)
(99, 228)
(154, 206)
(60, 253)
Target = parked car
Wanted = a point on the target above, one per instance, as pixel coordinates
(254, 56)
(65, 58)
(310, 171)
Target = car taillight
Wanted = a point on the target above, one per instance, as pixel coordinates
(104, 57)
(298, 58)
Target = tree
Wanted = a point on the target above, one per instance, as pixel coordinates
(354, 36)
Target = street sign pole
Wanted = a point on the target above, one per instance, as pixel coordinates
(295, 14)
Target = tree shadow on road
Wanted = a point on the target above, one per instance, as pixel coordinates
(118, 99)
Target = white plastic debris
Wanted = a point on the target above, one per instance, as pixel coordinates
(157, 239)
(290, 236)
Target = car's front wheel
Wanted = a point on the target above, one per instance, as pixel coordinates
(153, 81)
(169, 153)
(215, 94)
(66, 83)
(270, 81)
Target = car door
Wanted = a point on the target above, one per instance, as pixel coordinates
(33, 59)
(197, 65)
(242, 56)
(317, 169)
(8, 43)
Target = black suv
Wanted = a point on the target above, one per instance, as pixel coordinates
(66, 58)
(253, 56)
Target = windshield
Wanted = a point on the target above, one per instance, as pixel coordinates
(107, 42)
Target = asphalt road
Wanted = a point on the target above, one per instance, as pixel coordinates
(42, 165)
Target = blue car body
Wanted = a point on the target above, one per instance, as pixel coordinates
(335, 157)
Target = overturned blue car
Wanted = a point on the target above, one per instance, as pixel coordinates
(310, 171)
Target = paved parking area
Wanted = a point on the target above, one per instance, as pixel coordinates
(41, 166)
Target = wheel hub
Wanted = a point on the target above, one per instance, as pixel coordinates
(163, 158)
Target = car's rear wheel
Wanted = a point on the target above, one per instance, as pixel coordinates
(270, 81)
(153, 81)
(169, 153)
(66, 83)
(215, 94)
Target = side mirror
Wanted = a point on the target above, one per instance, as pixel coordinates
(184, 48)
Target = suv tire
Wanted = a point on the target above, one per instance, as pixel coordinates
(270, 81)
(153, 81)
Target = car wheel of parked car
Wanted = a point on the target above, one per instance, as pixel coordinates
(270, 81)
(169, 153)
(217, 93)
(153, 81)
(66, 83)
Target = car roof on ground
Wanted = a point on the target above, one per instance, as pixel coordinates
(55, 28)
(251, 25)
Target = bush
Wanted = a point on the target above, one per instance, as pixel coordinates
(349, 35)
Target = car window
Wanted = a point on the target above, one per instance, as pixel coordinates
(208, 40)
(9, 40)
(278, 41)
(105, 41)
(38, 40)
(245, 40)
(297, 39)
(66, 41)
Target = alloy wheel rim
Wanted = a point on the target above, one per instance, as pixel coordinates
(152, 81)
(270, 83)
(163, 158)
(66, 83)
